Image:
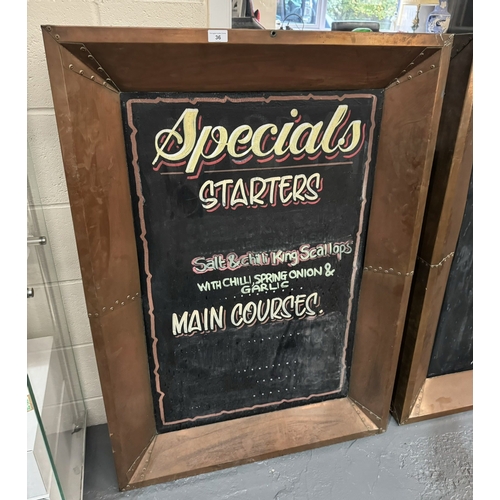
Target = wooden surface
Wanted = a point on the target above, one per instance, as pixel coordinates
(89, 123)
(193, 36)
(402, 172)
(443, 395)
(153, 59)
(88, 119)
(216, 446)
(445, 207)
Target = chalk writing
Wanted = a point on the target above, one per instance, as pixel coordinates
(185, 144)
(276, 309)
(305, 253)
(261, 193)
(250, 214)
(265, 282)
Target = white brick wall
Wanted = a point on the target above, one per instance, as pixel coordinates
(44, 146)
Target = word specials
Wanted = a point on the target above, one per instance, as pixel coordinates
(189, 146)
(265, 310)
(232, 261)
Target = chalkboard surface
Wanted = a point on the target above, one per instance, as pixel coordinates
(251, 213)
(452, 351)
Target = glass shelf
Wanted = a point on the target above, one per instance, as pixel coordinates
(56, 420)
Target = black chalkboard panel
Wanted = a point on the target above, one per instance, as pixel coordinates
(452, 351)
(251, 213)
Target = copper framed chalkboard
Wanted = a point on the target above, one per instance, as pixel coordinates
(251, 214)
(434, 376)
(392, 85)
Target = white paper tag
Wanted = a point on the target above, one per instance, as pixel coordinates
(217, 35)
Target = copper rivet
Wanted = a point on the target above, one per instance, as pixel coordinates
(57, 37)
(420, 72)
(410, 77)
(386, 271)
(128, 296)
(117, 301)
(137, 293)
(433, 66)
(70, 66)
(123, 303)
(380, 268)
(391, 269)
(81, 72)
(92, 77)
(103, 308)
(133, 298)
(374, 270)
(111, 308)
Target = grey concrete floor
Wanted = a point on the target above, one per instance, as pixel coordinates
(429, 460)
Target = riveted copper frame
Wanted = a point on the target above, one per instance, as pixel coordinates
(88, 67)
(417, 397)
